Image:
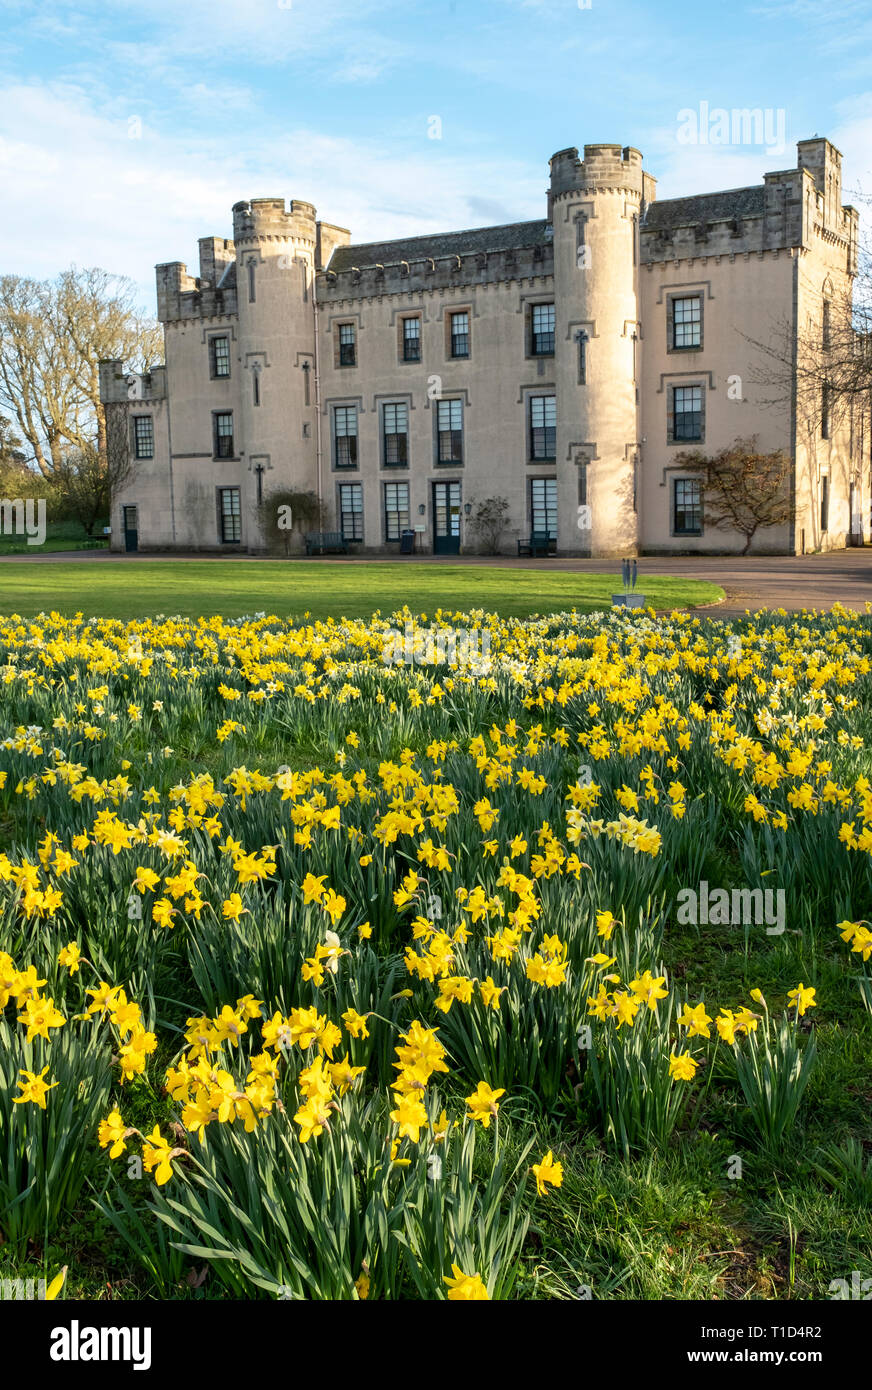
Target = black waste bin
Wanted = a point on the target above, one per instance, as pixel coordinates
(407, 543)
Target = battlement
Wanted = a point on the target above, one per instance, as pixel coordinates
(603, 166)
(183, 296)
(265, 218)
(440, 272)
(770, 216)
(216, 254)
(120, 386)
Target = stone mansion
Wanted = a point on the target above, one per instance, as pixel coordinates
(561, 364)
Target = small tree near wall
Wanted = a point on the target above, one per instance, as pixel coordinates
(745, 490)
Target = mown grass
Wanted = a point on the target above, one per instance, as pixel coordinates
(320, 588)
(59, 536)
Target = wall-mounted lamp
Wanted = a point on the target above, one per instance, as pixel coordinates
(422, 507)
(467, 507)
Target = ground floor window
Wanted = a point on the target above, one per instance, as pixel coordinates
(229, 515)
(543, 507)
(351, 511)
(687, 507)
(396, 510)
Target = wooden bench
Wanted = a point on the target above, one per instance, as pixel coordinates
(317, 542)
(539, 543)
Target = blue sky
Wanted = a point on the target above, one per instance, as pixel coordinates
(127, 131)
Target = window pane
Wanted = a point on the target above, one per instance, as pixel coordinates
(543, 427)
(346, 345)
(396, 509)
(143, 435)
(687, 493)
(543, 506)
(231, 518)
(395, 421)
(345, 433)
(351, 511)
(686, 321)
(543, 328)
(460, 335)
(687, 408)
(224, 435)
(221, 356)
(412, 340)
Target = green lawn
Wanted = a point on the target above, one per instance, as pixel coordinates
(318, 587)
(59, 535)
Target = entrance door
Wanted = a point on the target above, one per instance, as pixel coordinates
(446, 518)
(131, 528)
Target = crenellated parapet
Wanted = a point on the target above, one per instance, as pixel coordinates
(455, 271)
(263, 220)
(182, 297)
(604, 168)
(119, 386)
(790, 209)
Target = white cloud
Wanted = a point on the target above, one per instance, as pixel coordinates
(81, 191)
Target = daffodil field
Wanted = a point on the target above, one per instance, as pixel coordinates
(328, 976)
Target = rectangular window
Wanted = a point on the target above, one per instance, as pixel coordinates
(351, 511)
(542, 324)
(460, 335)
(581, 339)
(825, 411)
(223, 426)
(230, 515)
(687, 507)
(411, 340)
(347, 346)
(686, 413)
(686, 322)
(450, 431)
(543, 427)
(251, 285)
(143, 436)
(826, 336)
(543, 507)
(345, 436)
(395, 428)
(825, 503)
(219, 350)
(396, 510)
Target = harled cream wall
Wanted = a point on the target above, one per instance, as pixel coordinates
(747, 296)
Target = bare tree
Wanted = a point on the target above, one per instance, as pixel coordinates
(744, 490)
(82, 480)
(11, 452)
(52, 337)
(96, 319)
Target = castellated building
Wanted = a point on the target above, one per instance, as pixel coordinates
(561, 364)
